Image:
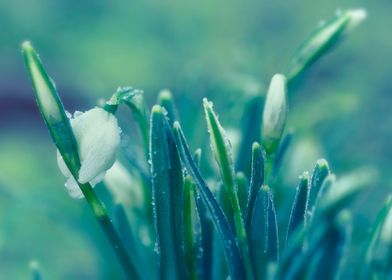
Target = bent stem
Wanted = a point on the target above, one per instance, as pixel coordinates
(107, 226)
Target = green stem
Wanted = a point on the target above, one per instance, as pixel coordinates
(268, 173)
(107, 226)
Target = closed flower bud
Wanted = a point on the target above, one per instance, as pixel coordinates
(275, 113)
(98, 137)
(323, 39)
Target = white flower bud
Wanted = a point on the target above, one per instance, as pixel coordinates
(123, 186)
(98, 137)
(275, 113)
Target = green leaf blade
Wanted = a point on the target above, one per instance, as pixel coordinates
(232, 254)
(378, 254)
(223, 155)
(189, 221)
(263, 234)
(165, 99)
(300, 206)
(320, 172)
(222, 149)
(340, 193)
(168, 197)
(256, 181)
(52, 109)
(329, 255)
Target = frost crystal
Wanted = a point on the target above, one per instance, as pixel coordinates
(98, 136)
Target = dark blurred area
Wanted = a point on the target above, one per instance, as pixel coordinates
(225, 50)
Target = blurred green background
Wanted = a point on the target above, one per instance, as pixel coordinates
(225, 50)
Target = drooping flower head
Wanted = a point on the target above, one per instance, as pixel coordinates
(98, 137)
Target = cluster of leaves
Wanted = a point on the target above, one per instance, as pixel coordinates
(211, 229)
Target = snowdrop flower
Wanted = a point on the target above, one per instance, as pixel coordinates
(275, 113)
(98, 136)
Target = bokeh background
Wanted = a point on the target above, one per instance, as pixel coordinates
(226, 50)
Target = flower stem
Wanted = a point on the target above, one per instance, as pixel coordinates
(107, 226)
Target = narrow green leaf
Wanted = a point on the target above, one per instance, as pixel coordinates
(222, 150)
(197, 157)
(232, 254)
(315, 234)
(205, 254)
(52, 109)
(327, 184)
(263, 236)
(328, 257)
(274, 113)
(297, 256)
(322, 40)
(342, 192)
(377, 263)
(320, 172)
(189, 216)
(256, 181)
(206, 225)
(168, 197)
(300, 206)
(165, 99)
(223, 154)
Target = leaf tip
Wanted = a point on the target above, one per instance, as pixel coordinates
(322, 163)
(176, 128)
(304, 176)
(27, 46)
(207, 104)
(156, 109)
(165, 95)
(255, 146)
(265, 188)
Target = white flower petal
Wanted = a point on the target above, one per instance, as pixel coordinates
(62, 166)
(122, 184)
(97, 179)
(77, 114)
(73, 188)
(98, 137)
(98, 143)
